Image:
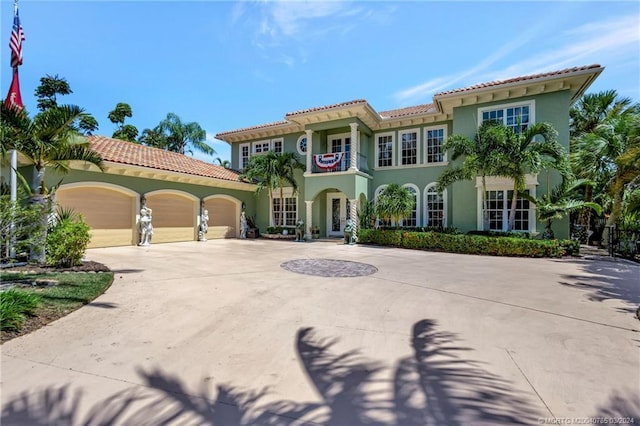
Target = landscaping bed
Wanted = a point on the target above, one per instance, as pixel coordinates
(469, 244)
(34, 296)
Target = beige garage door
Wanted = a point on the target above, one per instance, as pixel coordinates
(110, 214)
(222, 218)
(174, 218)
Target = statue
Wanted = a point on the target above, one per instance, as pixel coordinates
(145, 226)
(300, 231)
(204, 225)
(244, 226)
(349, 237)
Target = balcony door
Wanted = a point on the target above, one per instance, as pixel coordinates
(338, 211)
(341, 143)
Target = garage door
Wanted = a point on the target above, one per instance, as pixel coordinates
(222, 218)
(110, 213)
(174, 218)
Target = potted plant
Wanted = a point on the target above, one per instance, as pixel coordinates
(315, 232)
(253, 231)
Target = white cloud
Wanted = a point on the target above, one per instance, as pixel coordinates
(614, 38)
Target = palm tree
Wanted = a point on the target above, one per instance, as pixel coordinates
(224, 163)
(50, 139)
(592, 156)
(174, 135)
(479, 158)
(525, 153)
(273, 171)
(395, 202)
(559, 203)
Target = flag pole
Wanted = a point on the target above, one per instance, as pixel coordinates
(13, 176)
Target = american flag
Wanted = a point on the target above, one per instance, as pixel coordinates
(17, 37)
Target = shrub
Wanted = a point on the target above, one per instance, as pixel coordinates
(465, 244)
(570, 247)
(15, 305)
(67, 242)
(508, 234)
(26, 230)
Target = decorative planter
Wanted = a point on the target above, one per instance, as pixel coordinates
(253, 233)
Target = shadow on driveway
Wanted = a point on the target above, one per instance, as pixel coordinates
(438, 384)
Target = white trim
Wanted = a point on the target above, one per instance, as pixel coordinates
(241, 166)
(261, 144)
(377, 150)
(273, 145)
(343, 213)
(287, 192)
(418, 209)
(342, 136)
(300, 138)
(418, 133)
(410, 166)
(495, 183)
(444, 128)
(445, 204)
(530, 103)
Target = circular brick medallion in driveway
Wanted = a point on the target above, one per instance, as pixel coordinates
(329, 267)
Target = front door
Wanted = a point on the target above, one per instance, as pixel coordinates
(342, 144)
(338, 211)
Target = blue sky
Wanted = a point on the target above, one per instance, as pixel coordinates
(228, 65)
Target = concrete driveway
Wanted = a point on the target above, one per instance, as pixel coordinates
(219, 333)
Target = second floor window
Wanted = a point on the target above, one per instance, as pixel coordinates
(516, 116)
(409, 147)
(385, 151)
(434, 139)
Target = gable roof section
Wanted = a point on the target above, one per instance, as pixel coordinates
(133, 154)
(576, 80)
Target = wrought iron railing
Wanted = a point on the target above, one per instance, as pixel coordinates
(336, 162)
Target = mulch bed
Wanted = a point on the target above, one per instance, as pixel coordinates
(88, 266)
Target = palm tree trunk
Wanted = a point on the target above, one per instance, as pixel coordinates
(512, 210)
(38, 198)
(485, 213)
(282, 209)
(585, 213)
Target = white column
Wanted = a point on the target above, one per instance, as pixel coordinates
(309, 146)
(308, 226)
(353, 204)
(354, 146)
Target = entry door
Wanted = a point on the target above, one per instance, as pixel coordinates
(338, 211)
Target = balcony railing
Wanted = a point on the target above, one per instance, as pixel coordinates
(336, 162)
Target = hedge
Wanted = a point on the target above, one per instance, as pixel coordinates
(468, 244)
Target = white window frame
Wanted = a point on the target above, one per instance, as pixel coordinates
(287, 192)
(444, 139)
(531, 104)
(262, 144)
(393, 149)
(496, 183)
(301, 152)
(427, 191)
(273, 145)
(241, 165)
(417, 193)
(418, 158)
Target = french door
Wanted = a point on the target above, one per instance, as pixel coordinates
(338, 211)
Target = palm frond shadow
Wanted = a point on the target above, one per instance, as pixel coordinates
(437, 384)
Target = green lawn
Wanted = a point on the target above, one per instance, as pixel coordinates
(72, 291)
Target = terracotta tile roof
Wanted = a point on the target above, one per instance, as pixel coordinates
(401, 112)
(259, 126)
(123, 152)
(519, 79)
(326, 107)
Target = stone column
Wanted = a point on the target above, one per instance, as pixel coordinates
(308, 223)
(309, 146)
(354, 146)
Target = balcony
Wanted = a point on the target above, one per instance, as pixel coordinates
(333, 162)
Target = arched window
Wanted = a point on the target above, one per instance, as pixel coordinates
(301, 144)
(435, 207)
(413, 219)
(379, 222)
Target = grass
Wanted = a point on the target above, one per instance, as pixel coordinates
(36, 307)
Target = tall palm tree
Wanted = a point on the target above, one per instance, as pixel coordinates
(395, 202)
(50, 139)
(274, 171)
(174, 135)
(531, 151)
(591, 156)
(479, 158)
